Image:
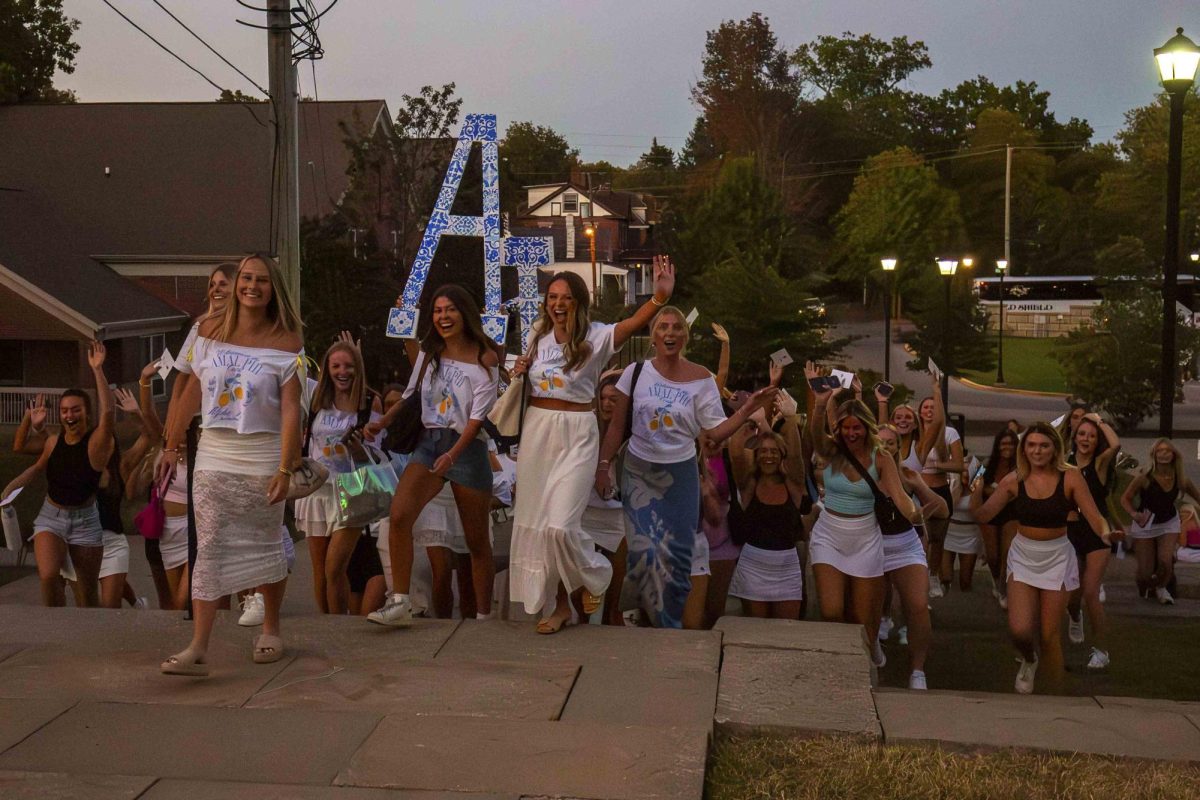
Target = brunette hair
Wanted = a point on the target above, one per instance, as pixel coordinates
(993, 463)
(82, 395)
(577, 348)
(323, 395)
(433, 345)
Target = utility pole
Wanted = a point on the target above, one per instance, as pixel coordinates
(284, 114)
(1008, 151)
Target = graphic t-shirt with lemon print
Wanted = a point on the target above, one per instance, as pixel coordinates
(454, 393)
(548, 374)
(669, 415)
(240, 386)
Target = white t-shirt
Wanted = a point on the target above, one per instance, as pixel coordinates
(669, 415)
(912, 462)
(329, 428)
(549, 378)
(454, 393)
(240, 386)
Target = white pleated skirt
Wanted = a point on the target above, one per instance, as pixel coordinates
(440, 525)
(1050, 565)
(769, 576)
(963, 538)
(1154, 529)
(851, 545)
(903, 550)
(555, 472)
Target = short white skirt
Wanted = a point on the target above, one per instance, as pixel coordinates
(116, 555)
(851, 545)
(903, 550)
(701, 555)
(316, 513)
(439, 524)
(606, 526)
(963, 538)
(1154, 529)
(174, 542)
(1050, 565)
(769, 576)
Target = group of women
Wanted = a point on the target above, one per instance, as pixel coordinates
(654, 478)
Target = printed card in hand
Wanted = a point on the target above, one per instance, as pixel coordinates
(692, 316)
(780, 358)
(935, 370)
(166, 362)
(845, 379)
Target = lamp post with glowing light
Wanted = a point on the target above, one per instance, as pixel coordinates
(1177, 61)
(947, 267)
(589, 231)
(1001, 267)
(889, 266)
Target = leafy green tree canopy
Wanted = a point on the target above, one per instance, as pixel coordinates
(36, 38)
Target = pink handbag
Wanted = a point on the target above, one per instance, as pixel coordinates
(151, 519)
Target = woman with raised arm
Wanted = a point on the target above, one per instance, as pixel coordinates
(73, 460)
(1042, 567)
(456, 376)
(248, 364)
(1096, 447)
(939, 455)
(904, 561)
(674, 401)
(341, 405)
(1155, 522)
(551, 555)
(846, 544)
(998, 534)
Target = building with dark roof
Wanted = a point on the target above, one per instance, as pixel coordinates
(112, 216)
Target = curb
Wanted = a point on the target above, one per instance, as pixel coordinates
(1006, 390)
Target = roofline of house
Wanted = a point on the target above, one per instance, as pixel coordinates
(48, 302)
(145, 327)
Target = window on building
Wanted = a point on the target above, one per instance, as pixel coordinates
(12, 363)
(555, 209)
(571, 203)
(647, 279)
(152, 347)
(585, 209)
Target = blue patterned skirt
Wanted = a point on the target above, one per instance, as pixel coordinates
(662, 507)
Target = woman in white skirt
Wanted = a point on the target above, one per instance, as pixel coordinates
(604, 518)
(248, 363)
(904, 563)
(1042, 566)
(1154, 525)
(846, 546)
(963, 542)
(551, 555)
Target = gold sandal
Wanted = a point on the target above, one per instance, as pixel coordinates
(592, 602)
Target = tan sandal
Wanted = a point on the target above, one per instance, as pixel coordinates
(551, 625)
(592, 602)
(179, 665)
(267, 649)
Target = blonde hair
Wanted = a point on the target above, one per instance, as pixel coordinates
(1177, 464)
(850, 408)
(282, 309)
(673, 311)
(764, 436)
(1051, 433)
(324, 394)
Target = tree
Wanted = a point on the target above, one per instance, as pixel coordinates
(655, 168)
(1114, 363)
(532, 154)
(960, 107)
(956, 341)
(851, 70)
(36, 38)
(238, 96)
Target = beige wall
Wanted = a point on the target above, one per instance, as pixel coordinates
(1039, 325)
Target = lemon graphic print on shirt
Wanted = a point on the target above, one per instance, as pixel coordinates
(665, 411)
(552, 378)
(233, 388)
(441, 405)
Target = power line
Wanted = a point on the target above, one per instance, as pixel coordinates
(211, 48)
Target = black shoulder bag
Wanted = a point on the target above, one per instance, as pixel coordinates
(406, 430)
(891, 521)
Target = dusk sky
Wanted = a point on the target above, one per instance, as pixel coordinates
(609, 75)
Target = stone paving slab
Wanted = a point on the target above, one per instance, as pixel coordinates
(1154, 704)
(347, 640)
(825, 637)
(269, 745)
(216, 790)
(627, 697)
(636, 649)
(1045, 723)
(553, 759)
(20, 717)
(448, 689)
(7, 651)
(17, 785)
(1021, 702)
(796, 692)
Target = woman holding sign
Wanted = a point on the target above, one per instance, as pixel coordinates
(551, 555)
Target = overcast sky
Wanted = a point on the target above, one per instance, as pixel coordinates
(609, 74)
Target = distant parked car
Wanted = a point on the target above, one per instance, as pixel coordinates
(814, 306)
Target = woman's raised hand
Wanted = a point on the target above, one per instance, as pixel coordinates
(37, 412)
(720, 333)
(96, 355)
(664, 278)
(345, 337)
(810, 372)
(775, 371)
(150, 370)
(126, 401)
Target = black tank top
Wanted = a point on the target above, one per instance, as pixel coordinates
(1154, 498)
(772, 527)
(70, 479)
(1095, 486)
(1048, 512)
(108, 498)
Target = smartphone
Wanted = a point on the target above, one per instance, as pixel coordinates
(884, 389)
(817, 384)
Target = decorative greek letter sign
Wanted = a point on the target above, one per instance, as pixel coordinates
(523, 252)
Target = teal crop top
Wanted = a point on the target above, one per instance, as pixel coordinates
(850, 497)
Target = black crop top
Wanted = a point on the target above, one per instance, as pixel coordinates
(70, 479)
(772, 527)
(1098, 490)
(1154, 498)
(1048, 512)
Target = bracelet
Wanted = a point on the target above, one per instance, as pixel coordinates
(660, 303)
(143, 384)
(602, 463)
(285, 471)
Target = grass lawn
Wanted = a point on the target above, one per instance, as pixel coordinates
(774, 768)
(1028, 364)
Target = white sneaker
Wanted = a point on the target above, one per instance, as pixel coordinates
(1103, 596)
(142, 604)
(935, 588)
(917, 680)
(397, 612)
(1164, 597)
(253, 610)
(1099, 660)
(1024, 682)
(1075, 628)
(902, 636)
(1004, 602)
(996, 592)
(885, 628)
(877, 656)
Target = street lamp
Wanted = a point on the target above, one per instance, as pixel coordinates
(889, 266)
(947, 267)
(589, 230)
(1001, 267)
(1177, 61)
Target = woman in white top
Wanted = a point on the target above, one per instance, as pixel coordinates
(457, 378)
(604, 519)
(551, 556)
(943, 458)
(674, 401)
(248, 363)
(340, 402)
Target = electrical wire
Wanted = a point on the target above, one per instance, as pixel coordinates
(211, 48)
